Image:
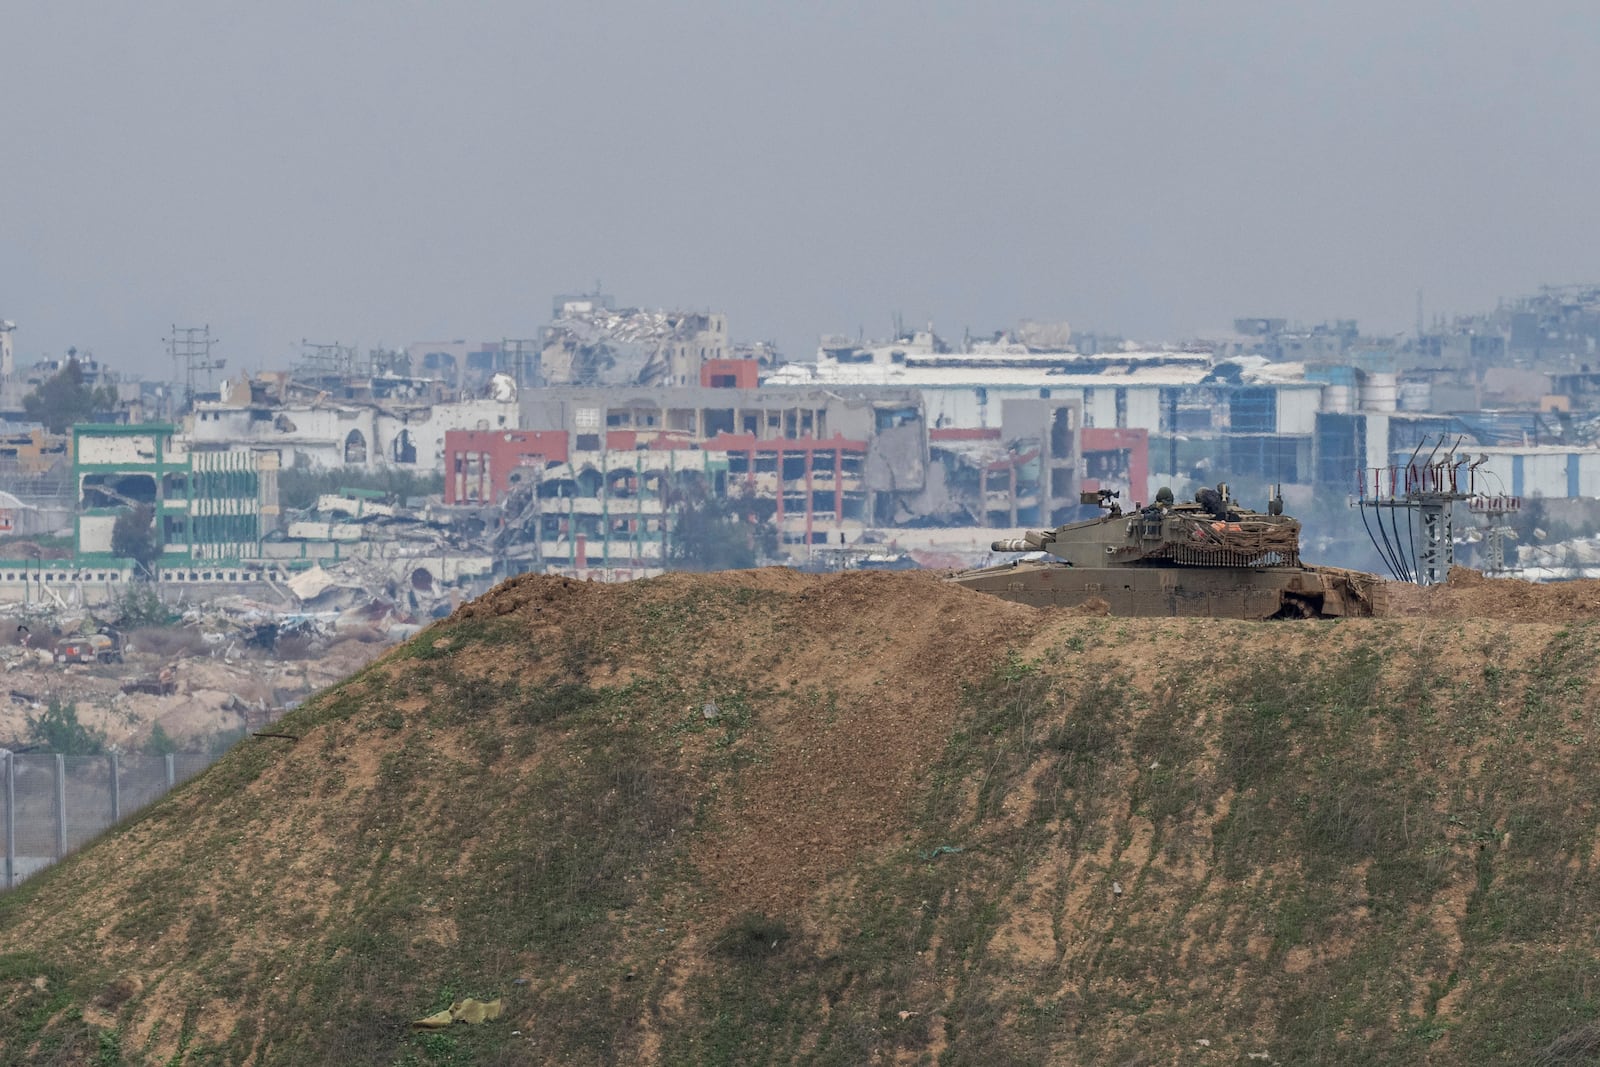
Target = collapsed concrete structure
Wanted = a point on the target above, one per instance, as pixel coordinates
(592, 342)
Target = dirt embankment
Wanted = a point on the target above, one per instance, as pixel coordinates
(762, 817)
(1469, 595)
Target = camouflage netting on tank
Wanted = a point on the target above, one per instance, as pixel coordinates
(1207, 542)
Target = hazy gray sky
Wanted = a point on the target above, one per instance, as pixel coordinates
(371, 171)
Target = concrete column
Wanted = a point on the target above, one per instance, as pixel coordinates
(811, 454)
(61, 805)
(638, 507)
(1013, 492)
(116, 788)
(838, 486)
(11, 819)
(172, 771)
(780, 495)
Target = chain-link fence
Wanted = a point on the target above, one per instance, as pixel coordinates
(52, 804)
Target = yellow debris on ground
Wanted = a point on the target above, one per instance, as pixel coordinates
(462, 1011)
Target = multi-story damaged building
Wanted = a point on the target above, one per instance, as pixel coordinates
(207, 506)
(595, 471)
(447, 370)
(36, 467)
(1556, 329)
(1030, 470)
(1281, 342)
(828, 461)
(401, 429)
(600, 511)
(1530, 352)
(592, 480)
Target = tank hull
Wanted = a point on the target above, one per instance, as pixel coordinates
(1205, 592)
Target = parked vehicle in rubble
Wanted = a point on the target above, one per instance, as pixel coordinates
(1206, 557)
(103, 647)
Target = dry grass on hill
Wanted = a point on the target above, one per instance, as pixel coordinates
(766, 818)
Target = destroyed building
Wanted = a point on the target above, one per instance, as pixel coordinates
(1533, 352)
(448, 370)
(595, 470)
(212, 507)
(357, 538)
(1030, 470)
(1555, 330)
(403, 429)
(591, 342)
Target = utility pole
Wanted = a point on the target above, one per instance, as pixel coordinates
(522, 356)
(1496, 509)
(190, 349)
(1424, 491)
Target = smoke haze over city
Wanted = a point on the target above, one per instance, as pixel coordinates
(376, 172)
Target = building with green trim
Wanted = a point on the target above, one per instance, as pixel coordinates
(210, 506)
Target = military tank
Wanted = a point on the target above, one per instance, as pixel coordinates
(1205, 557)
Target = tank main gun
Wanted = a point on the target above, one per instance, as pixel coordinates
(1040, 540)
(1032, 541)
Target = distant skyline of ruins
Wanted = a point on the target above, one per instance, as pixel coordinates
(154, 361)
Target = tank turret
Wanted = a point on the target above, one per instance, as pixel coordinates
(1212, 534)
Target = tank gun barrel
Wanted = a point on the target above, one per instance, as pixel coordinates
(1032, 541)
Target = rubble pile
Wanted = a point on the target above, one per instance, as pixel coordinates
(387, 551)
(221, 664)
(597, 344)
(216, 670)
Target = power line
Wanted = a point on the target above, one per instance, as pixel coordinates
(190, 349)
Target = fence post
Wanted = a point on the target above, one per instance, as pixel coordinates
(11, 820)
(61, 805)
(172, 771)
(116, 788)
